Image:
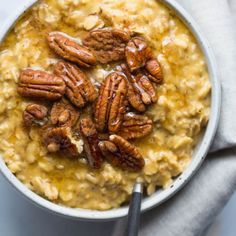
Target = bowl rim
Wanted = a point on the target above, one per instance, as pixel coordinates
(158, 197)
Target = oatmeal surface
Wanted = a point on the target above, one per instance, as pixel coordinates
(179, 116)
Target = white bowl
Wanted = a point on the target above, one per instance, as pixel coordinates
(161, 195)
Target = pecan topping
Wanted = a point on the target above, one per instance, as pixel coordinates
(79, 89)
(90, 138)
(140, 90)
(60, 140)
(108, 44)
(35, 114)
(154, 68)
(145, 88)
(135, 126)
(111, 103)
(121, 153)
(137, 53)
(69, 49)
(64, 114)
(133, 95)
(41, 85)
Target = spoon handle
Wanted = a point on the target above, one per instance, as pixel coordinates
(134, 211)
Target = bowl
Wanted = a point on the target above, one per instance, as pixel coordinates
(159, 196)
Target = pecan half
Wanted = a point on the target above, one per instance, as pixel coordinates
(79, 89)
(90, 138)
(64, 114)
(133, 95)
(137, 53)
(122, 154)
(143, 85)
(35, 114)
(141, 92)
(69, 49)
(41, 85)
(60, 140)
(108, 44)
(135, 126)
(154, 68)
(111, 103)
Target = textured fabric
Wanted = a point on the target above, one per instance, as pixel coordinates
(194, 207)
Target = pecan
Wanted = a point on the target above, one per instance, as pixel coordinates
(140, 90)
(122, 154)
(60, 140)
(35, 114)
(41, 85)
(143, 85)
(111, 103)
(108, 44)
(79, 89)
(154, 68)
(135, 126)
(90, 138)
(69, 49)
(137, 53)
(64, 114)
(133, 95)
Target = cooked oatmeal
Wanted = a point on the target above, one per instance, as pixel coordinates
(179, 115)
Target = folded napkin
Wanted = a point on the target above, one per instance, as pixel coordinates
(195, 207)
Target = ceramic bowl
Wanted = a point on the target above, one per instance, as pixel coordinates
(161, 195)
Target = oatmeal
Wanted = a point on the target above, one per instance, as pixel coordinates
(73, 71)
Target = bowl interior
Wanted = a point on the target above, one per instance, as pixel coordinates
(160, 195)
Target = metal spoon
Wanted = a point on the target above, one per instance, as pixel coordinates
(133, 221)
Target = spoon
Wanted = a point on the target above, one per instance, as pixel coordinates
(133, 221)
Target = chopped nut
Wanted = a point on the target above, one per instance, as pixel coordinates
(79, 89)
(69, 49)
(41, 85)
(135, 126)
(64, 114)
(108, 44)
(121, 153)
(90, 137)
(154, 68)
(137, 53)
(35, 114)
(111, 103)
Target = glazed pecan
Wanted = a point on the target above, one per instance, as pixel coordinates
(121, 153)
(41, 85)
(69, 49)
(141, 92)
(108, 44)
(79, 89)
(111, 103)
(35, 114)
(59, 140)
(154, 68)
(90, 138)
(145, 88)
(64, 114)
(137, 53)
(133, 95)
(135, 126)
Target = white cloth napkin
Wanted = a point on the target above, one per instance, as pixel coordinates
(193, 208)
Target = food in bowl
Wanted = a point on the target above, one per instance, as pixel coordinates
(97, 94)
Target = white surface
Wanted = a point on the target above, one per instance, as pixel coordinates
(19, 217)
